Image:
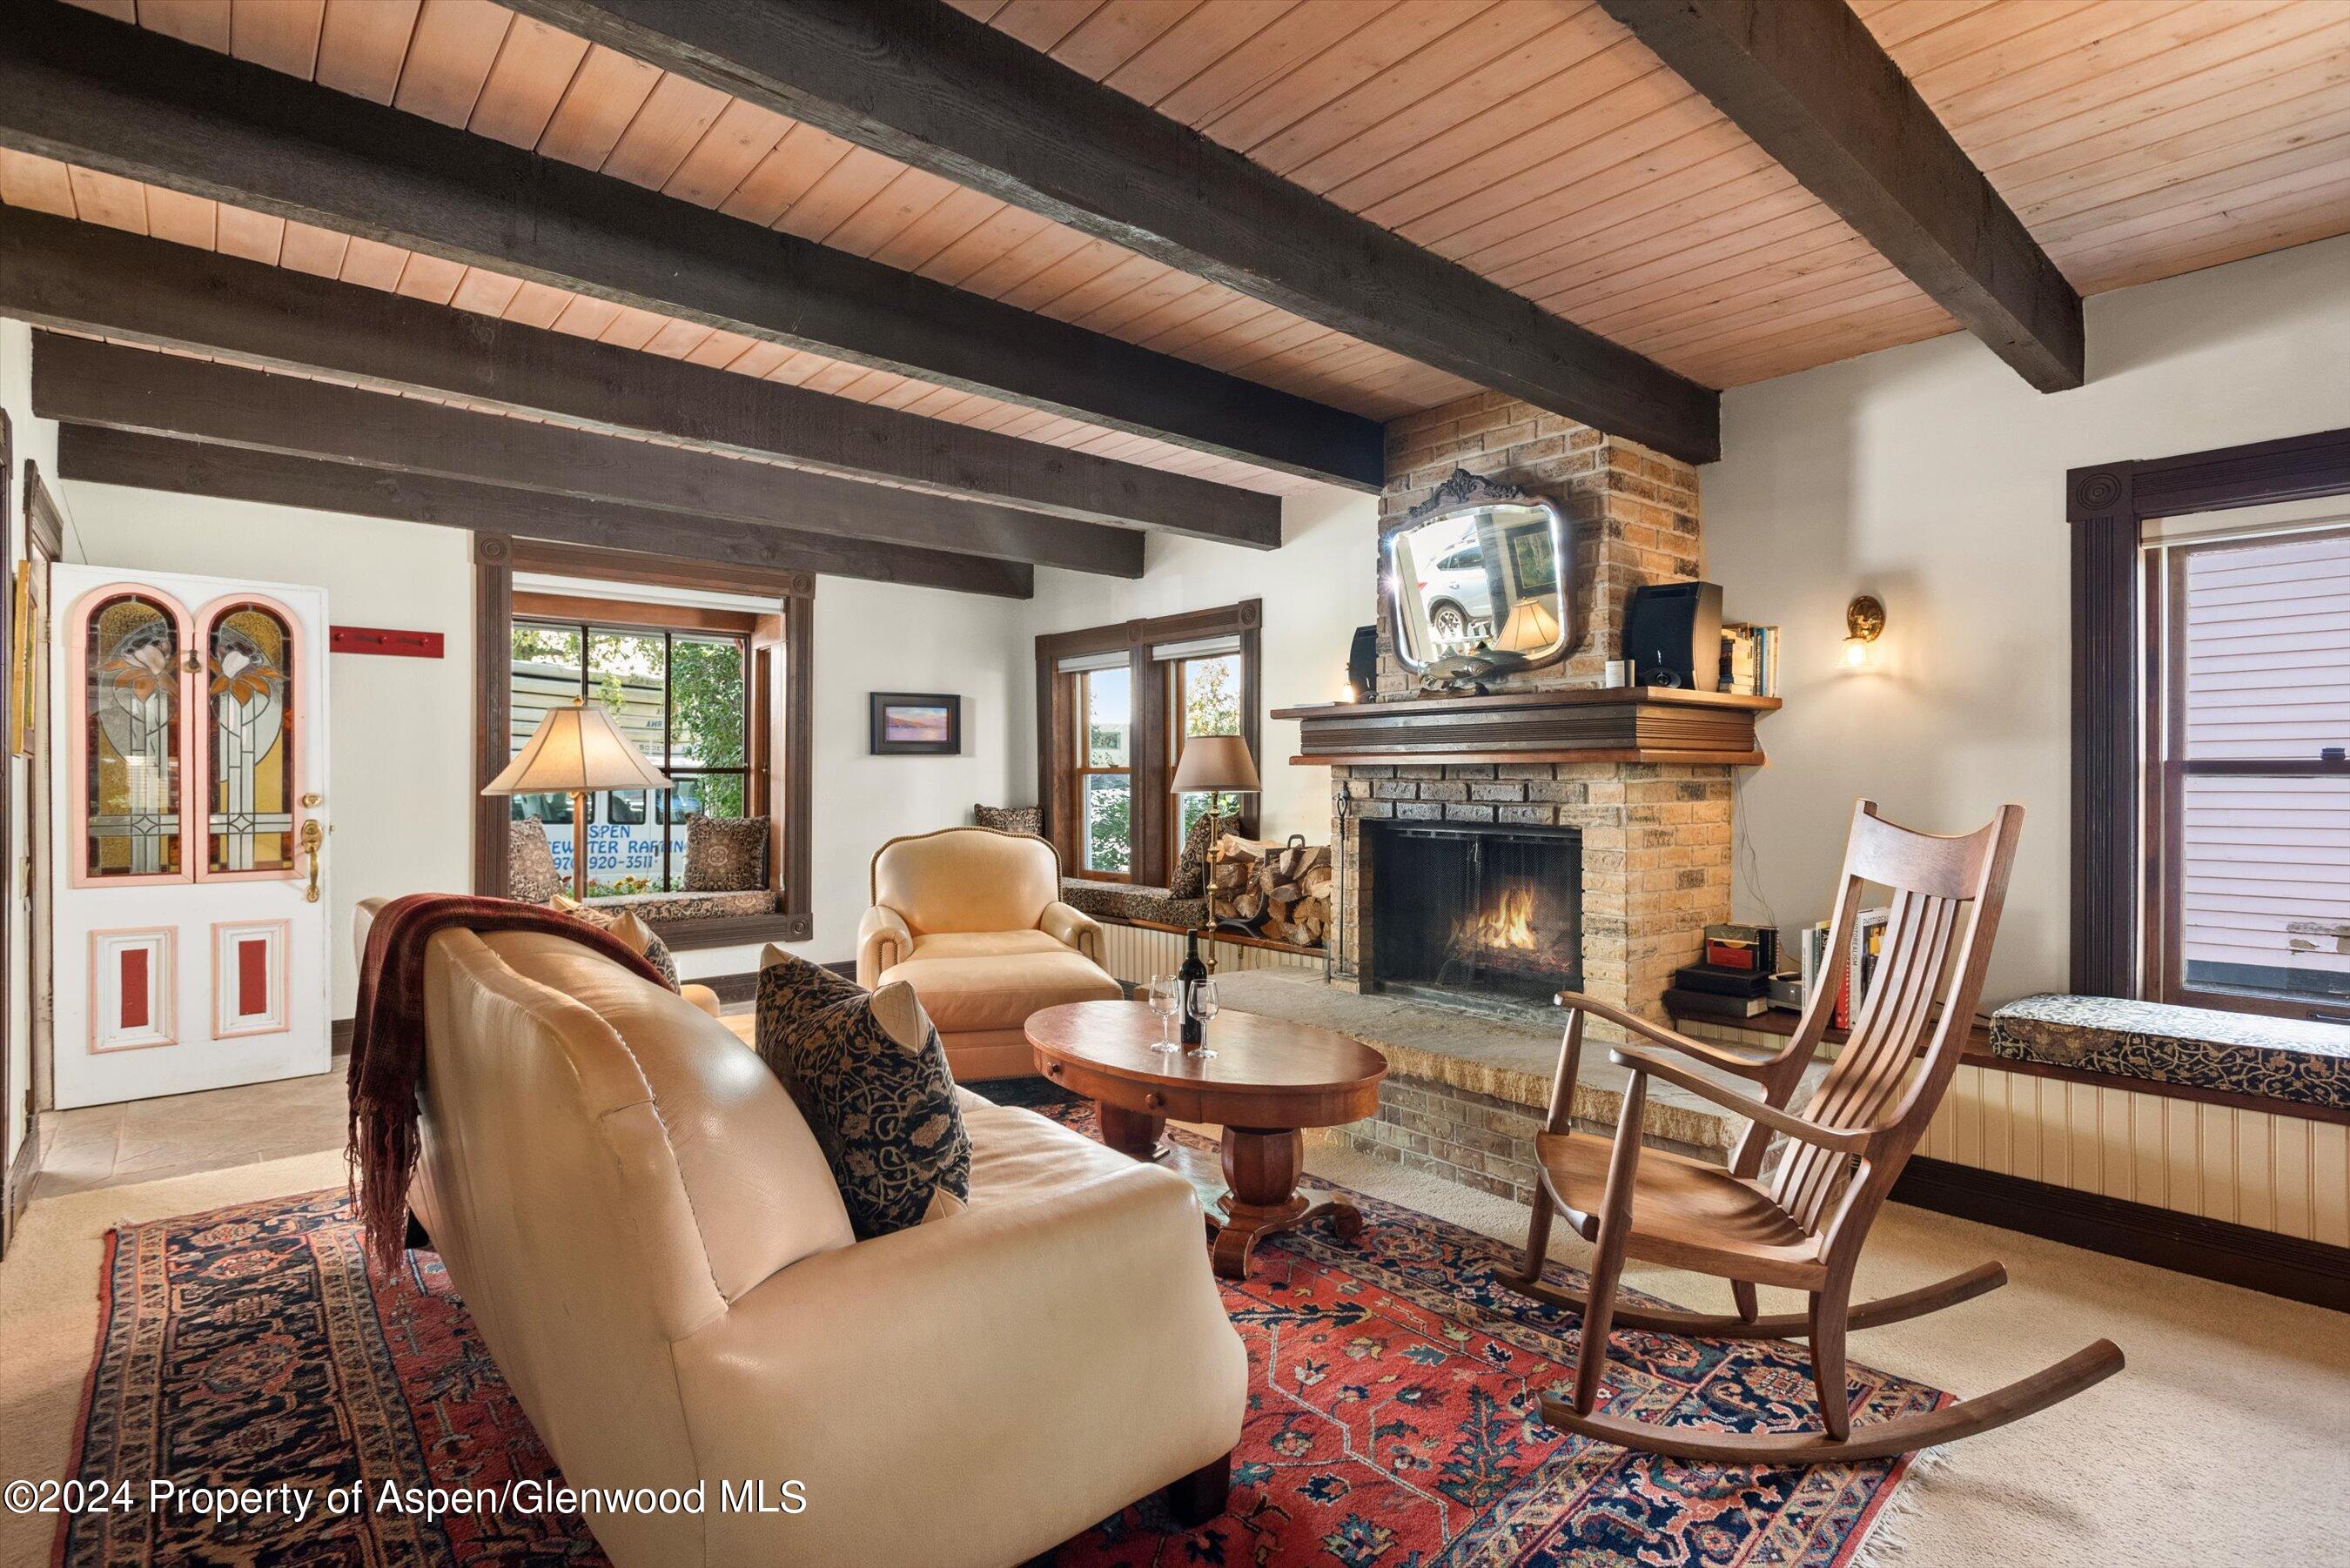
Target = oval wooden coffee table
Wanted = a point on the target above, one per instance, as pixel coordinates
(1269, 1079)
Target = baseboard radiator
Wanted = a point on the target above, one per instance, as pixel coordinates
(1137, 953)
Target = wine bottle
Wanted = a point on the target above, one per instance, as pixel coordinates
(1190, 975)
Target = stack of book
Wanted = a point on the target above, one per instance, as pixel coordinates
(1714, 991)
(1749, 660)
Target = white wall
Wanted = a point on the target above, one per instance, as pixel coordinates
(402, 728)
(1316, 588)
(1933, 477)
(35, 440)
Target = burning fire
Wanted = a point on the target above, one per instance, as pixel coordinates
(1508, 923)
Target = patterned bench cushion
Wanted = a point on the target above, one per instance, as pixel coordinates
(660, 907)
(2290, 1059)
(1127, 901)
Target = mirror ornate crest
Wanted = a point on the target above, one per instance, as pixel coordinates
(1476, 573)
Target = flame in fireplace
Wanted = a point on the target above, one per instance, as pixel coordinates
(1508, 923)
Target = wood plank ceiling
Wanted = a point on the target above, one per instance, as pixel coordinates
(1533, 141)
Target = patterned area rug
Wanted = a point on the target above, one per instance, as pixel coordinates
(1391, 1419)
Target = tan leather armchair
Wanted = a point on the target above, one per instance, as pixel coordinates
(971, 918)
(648, 1236)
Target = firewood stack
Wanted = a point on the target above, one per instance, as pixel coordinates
(1280, 892)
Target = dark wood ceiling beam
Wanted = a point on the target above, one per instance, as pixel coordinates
(1809, 82)
(130, 101)
(55, 272)
(97, 455)
(77, 380)
(920, 81)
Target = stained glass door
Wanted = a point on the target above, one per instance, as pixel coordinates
(191, 926)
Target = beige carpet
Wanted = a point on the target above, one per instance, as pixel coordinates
(2223, 1443)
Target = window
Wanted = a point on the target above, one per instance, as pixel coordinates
(2248, 796)
(680, 696)
(1120, 703)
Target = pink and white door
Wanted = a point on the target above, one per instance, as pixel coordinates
(191, 940)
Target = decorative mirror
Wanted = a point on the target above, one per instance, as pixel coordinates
(1477, 570)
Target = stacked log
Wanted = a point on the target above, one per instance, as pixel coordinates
(1281, 892)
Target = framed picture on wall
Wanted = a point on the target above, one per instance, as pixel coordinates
(916, 725)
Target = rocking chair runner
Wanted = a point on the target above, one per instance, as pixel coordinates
(1803, 1227)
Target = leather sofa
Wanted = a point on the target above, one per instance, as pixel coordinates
(648, 1236)
(972, 918)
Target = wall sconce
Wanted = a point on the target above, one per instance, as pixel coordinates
(1864, 623)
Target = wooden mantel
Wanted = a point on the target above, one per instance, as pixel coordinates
(1583, 724)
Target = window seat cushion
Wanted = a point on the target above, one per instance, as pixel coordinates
(657, 908)
(1129, 901)
(2295, 1059)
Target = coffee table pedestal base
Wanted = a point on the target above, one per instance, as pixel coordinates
(1136, 1134)
(1261, 1171)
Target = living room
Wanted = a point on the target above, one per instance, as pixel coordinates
(711, 560)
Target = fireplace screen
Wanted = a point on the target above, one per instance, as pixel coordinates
(1481, 914)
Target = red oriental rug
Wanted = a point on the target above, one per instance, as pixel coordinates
(1392, 1414)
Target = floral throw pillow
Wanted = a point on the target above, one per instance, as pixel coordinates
(1011, 818)
(531, 876)
(725, 854)
(1192, 866)
(631, 931)
(868, 1072)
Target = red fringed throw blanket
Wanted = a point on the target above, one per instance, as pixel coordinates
(388, 1040)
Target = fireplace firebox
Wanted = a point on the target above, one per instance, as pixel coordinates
(1487, 917)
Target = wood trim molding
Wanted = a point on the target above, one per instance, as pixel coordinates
(492, 697)
(1244, 620)
(2108, 506)
(496, 559)
(2264, 1261)
(130, 100)
(22, 1172)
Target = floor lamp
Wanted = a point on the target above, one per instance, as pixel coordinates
(1215, 766)
(576, 750)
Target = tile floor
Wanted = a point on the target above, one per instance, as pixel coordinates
(145, 1141)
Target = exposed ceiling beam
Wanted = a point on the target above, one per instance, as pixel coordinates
(97, 455)
(79, 381)
(1811, 86)
(130, 101)
(55, 272)
(920, 81)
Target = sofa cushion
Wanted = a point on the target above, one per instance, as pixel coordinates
(665, 907)
(870, 1074)
(1129, 901)
(725, 854)
(964, 990)
(984, 944)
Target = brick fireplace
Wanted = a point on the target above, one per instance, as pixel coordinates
(1639, 780)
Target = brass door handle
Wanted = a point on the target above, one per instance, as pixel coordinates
(314, 844)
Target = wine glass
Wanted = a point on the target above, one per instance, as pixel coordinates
(1203, 1006)
(1165, 999)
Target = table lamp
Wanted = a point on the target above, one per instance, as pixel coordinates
(576, 750)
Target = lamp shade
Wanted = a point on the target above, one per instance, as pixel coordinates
(1531, 629)
(577, 749)
(1218, 763)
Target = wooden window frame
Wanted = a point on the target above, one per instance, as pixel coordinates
(2116, 880)
(784, 737)
(587, 617)
(1176, 704)
(1080, 708)
(2166, 771)
(1150, 745)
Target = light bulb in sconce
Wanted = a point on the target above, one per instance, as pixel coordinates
(1864, 623)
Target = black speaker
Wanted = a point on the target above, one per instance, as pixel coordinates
(1672, 635)
(1362, 662)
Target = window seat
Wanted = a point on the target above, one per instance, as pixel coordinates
(657, 909)
(2294, 1060)
(1127, 901)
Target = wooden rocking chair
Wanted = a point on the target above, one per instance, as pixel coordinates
(1803, 1227)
